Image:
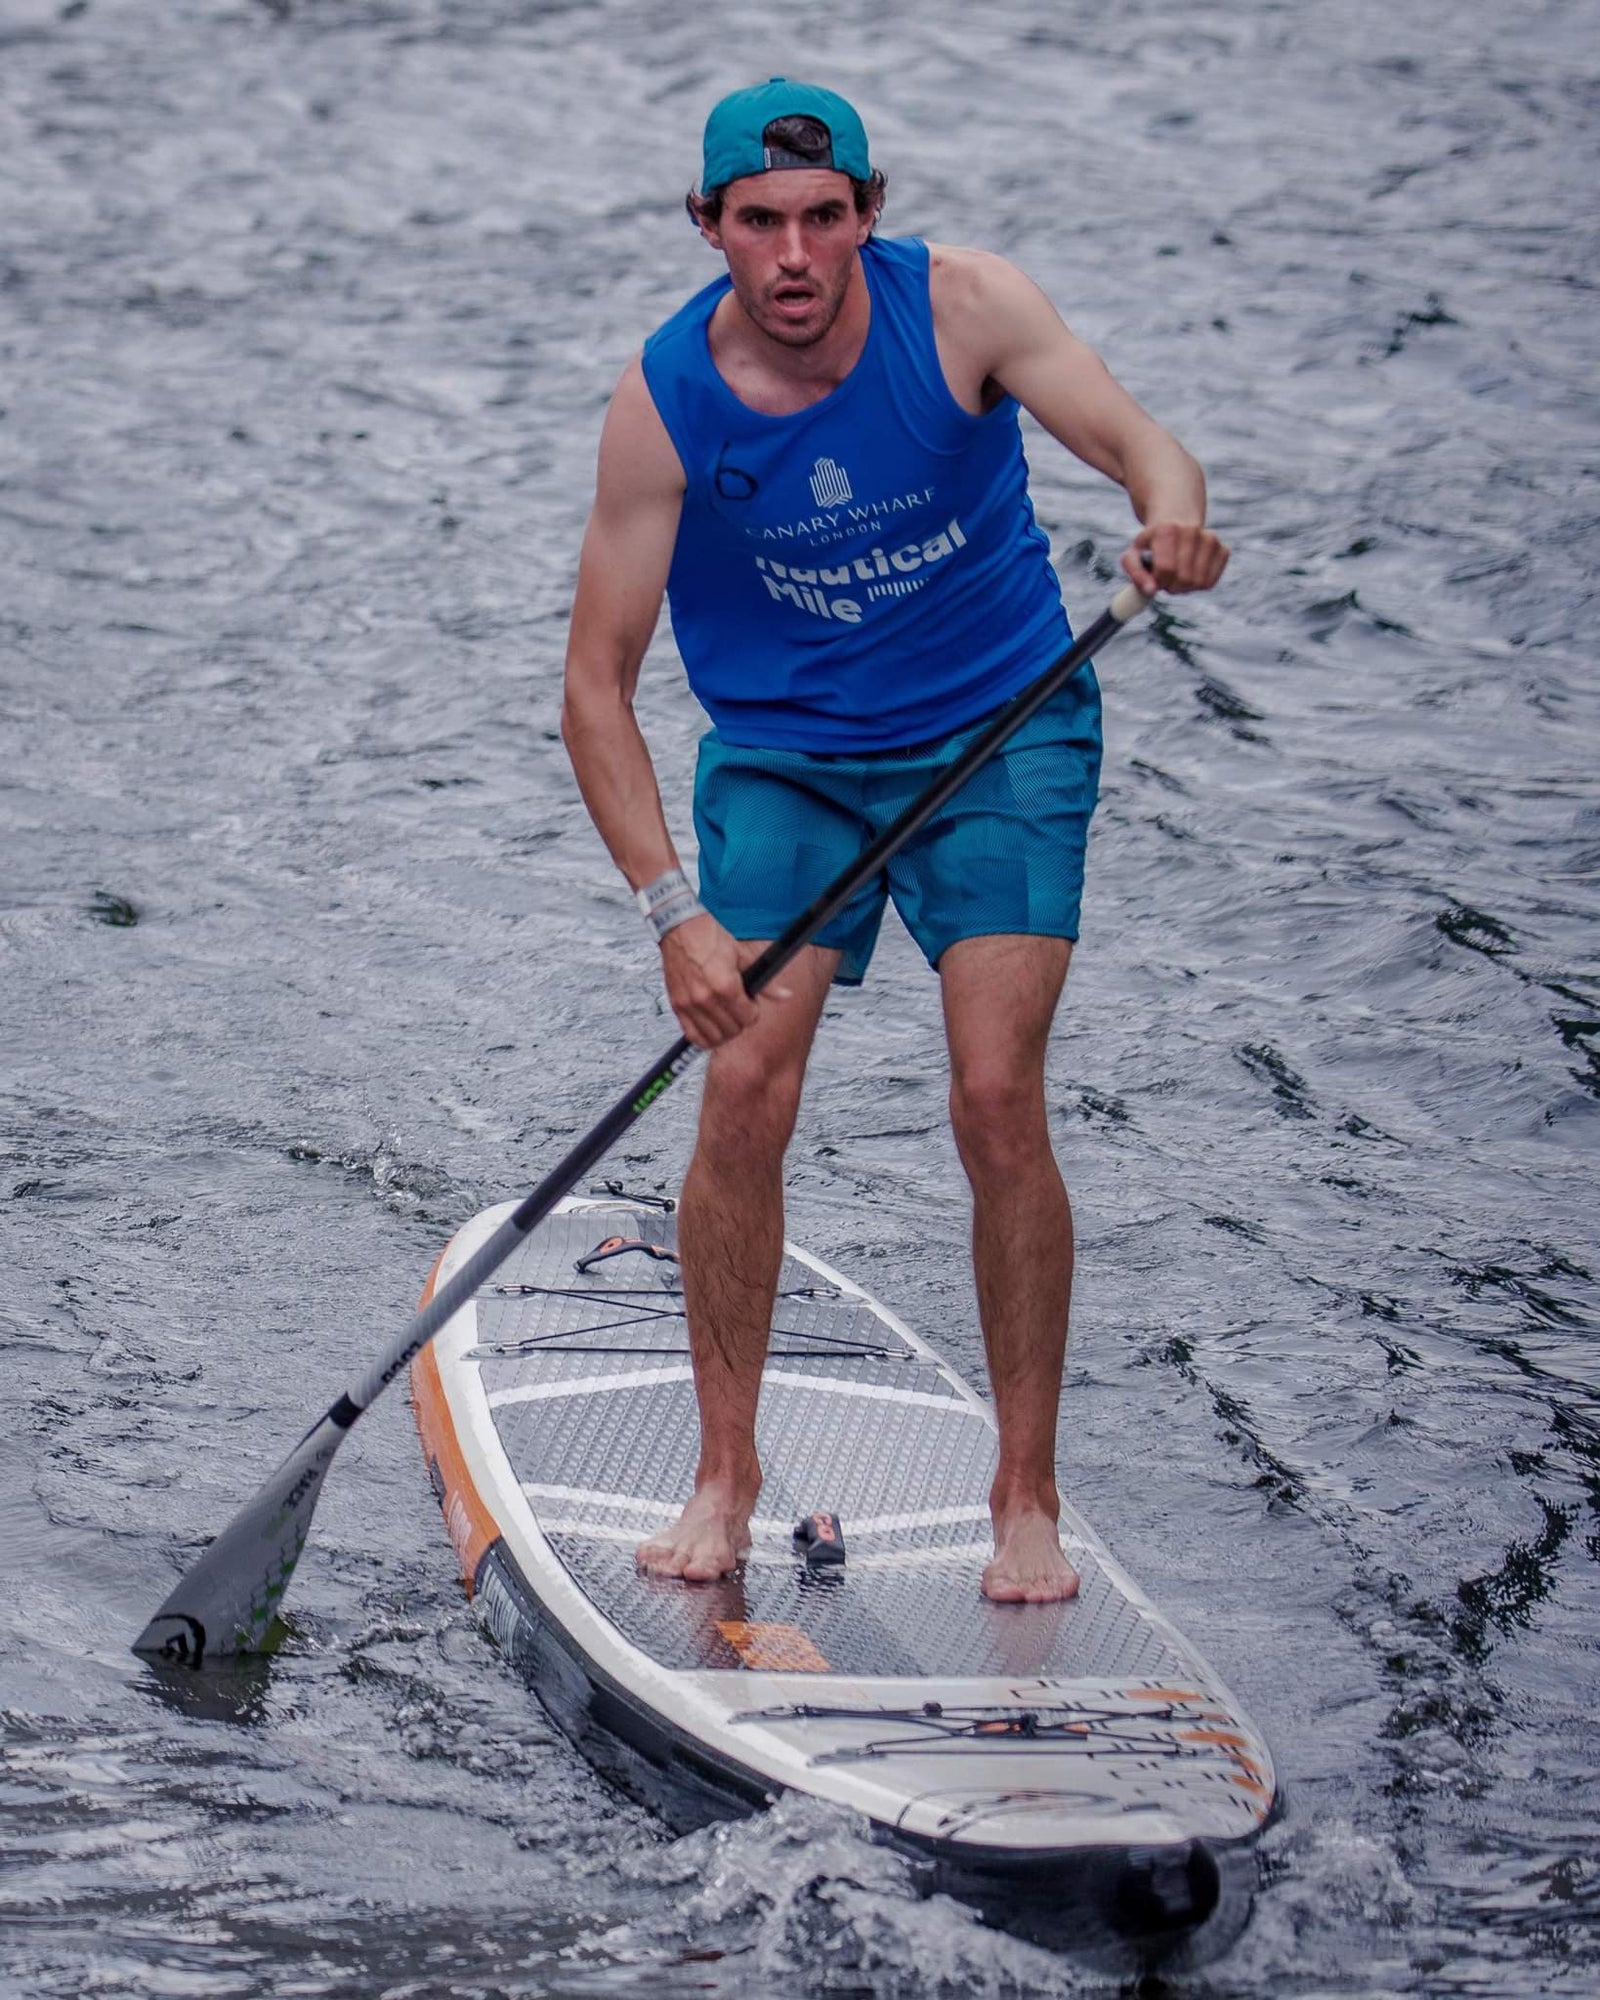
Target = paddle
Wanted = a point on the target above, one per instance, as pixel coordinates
(227, 1601)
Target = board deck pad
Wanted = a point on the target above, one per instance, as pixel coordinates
(559, 1416)
(597, 1418)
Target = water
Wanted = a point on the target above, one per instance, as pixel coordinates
(308, 313)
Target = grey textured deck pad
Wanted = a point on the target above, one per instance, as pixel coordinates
(588, 1382)
(914, 1621)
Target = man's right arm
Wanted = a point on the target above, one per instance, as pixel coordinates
(622, 577)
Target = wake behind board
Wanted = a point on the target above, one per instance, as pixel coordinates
(1075, 1770)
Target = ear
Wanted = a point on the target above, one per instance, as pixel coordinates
(707, 230)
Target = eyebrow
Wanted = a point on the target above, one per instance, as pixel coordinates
(753, 211)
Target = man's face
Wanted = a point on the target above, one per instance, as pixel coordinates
(790, 238)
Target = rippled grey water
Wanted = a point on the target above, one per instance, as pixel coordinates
(307, 316)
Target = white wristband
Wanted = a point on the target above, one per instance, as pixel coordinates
(667, 902)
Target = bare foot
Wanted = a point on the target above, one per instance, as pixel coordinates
(710, 1538)
(1028, 1566)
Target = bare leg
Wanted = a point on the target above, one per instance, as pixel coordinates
(730, 1236)
(1000, 996)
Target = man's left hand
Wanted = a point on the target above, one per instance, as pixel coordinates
(1181, 557)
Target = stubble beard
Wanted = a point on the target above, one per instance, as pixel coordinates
(788, 335)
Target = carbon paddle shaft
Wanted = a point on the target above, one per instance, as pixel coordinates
(227, 1601)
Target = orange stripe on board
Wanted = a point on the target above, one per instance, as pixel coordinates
(773, 1649)
(1232, 1747)
(433, 1278)
(467, 1521)
(1160, 1694)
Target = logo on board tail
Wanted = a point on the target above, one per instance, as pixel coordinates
(830, 483)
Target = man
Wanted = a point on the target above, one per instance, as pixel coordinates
(819, 459)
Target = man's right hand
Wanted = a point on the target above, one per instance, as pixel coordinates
(704, 966)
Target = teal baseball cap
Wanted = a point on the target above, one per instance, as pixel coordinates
(736, 144)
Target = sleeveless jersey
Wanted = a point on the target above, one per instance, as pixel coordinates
(867, 572)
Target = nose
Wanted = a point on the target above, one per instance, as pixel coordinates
(792, 252)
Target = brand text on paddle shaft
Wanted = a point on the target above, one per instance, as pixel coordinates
(664, 1081)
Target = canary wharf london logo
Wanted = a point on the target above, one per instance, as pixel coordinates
(830, 484)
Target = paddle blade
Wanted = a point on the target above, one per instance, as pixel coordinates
(228, 1601)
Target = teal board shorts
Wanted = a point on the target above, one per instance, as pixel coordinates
(1005, 855)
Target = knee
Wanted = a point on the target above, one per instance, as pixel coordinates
(999, 1121)
(749, 1108)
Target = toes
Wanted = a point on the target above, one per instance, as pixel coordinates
(658, 1559)
(1000, 1587)
(667, 1560)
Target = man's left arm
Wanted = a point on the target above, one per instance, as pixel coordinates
(1006, 327)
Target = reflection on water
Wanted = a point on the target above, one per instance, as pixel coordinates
(234, 1690)
(309, 313)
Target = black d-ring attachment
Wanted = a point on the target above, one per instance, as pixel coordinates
(820, 1538)
(664, 1202)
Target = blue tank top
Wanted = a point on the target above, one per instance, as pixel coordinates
(867, 572)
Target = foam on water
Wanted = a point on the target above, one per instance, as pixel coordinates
(800, 1901)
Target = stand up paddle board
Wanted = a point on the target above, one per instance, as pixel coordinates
(1075, 1770)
